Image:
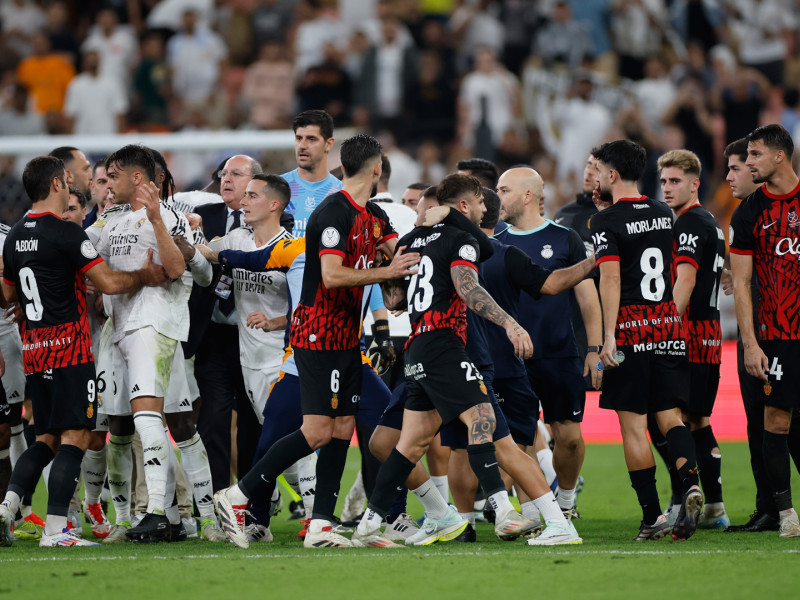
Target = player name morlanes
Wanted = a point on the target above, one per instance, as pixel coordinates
(649, 225)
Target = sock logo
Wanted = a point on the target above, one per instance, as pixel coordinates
(153, 462)
(205, 500)
(119, 499)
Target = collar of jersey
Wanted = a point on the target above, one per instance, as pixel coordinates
(41, 214)
(781, 196)
(639, 199)
(527, 231)
(685, 210)
(353, 202)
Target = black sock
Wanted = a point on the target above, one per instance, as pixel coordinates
(63, 479)
(5, 475)
(392, 475)
(681, 445)
(710, 466)
(643, 482)
(330, 466)
(483, 461)
(260, 504)
(776, 462)
(662, 447)
(282, 455)
(29, 469)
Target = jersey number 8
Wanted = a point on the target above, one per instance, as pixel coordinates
(652, 266)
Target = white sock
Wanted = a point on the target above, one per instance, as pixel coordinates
(292, 478)
(440, 481)
(93, 469)
(155, 453)
(548, 506)
(545, 458)
(566, 498)
(194, 460)
(54, 524)
(12, 502)
(18, 443)
(307, 475)
(170, 499)
(370, 522)
(236, 496)
(120, 472)
(529, 510)
(470, 516)
(501, 504)
(435, 505)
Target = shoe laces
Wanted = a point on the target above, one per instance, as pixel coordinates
(96, 513)
(35, 519)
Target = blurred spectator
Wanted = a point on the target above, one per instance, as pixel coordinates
(14, 202)
(268, 88)
(429, 157)
(519, 22)
(322, 28)
(17, 118)
(21, 19)
(168, 14)
(563, 40)
(475, 26)
(388, 68)
(594, 15)
(759, 27)
(151, 83)
(271, 20)
(434, 38)
(95, 104)
(327, 86)
(690, 114)
(489, 102)
(374, 27)
(697, 21)
(46, 75)
(637, 28)
(196, 56)
(655, 93)
(431, 101)
(62, 38)
(116, 45)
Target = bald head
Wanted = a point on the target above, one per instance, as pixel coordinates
(520, 190)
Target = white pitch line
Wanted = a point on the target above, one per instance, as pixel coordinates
(349, 555)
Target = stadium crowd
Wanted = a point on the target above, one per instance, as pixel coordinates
(231, 320)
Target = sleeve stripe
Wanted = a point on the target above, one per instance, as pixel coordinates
(331, 251)
(465, 263)
(388, 237)
(741, 251)
(688, 259)
(96, 261)
(608, 258)
(8, 282)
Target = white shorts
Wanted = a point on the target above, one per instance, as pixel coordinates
(102, 423)
(103, 348)
(258, 383)
(194, 391)
(14, 377)
(178, 398)
(142, 363)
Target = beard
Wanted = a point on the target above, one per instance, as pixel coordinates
(759, 178)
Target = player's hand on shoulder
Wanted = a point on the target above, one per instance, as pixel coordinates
(523, 346)
(598, 199)
(185, 247)
(147, 194)
(435, 215)
(195, 220)
(401, 263)
(154, 273)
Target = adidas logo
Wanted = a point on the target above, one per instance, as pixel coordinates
(153, 462)
(135, 388)
(185, 402)
(119, 499)
(15, 394)
(205, 499)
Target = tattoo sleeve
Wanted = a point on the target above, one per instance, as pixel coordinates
(394, 294)
(476, 298)
(483, 424)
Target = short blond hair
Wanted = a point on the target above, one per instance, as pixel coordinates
(685, 160)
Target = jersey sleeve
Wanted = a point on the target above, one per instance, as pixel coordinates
(524, 273)
(689, 234)
(604, 239)
(740, 235)
(175, 222)
(464, 250)
(334, 227)
(9, 268)
(80, 250)
(279, 256)
(577, 249)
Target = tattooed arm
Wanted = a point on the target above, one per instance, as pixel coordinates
(394, 294)
(482, 304)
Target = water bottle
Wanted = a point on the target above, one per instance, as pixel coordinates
(619, 356)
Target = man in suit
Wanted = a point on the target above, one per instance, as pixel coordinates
(214, 340)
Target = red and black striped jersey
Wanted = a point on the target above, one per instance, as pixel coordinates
(45, 259)
(329, 319)
(432, 299)
(698, 240)
(637, 233)
(767, 227)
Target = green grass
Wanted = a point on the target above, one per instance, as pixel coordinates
(607, 565)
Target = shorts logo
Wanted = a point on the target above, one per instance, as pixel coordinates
(335, 401)
(88, 249)
(330, 237)
(90, 411)
(767, 388)
(547, 251)
(468, 253)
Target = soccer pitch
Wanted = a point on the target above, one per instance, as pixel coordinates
(607, 565)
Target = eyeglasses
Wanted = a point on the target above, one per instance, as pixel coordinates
(236, 174)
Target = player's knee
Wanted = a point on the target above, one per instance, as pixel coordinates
(97, 441)
(5, 436)
(380, 445)
(180, 426)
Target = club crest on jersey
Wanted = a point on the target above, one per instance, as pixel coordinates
(376, 230)
(482, 387)
(767, 388)
(141, 222)
(335, 401)
(311, 202)
(792, 217)
(88, 249)
(468, 253)
(330, 237)
(547, 251)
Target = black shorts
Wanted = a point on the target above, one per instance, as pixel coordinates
(330, 381)
(5, 407)
(392, 417)
(64, 398)
(647, 382)
(783, 358)
(704, 383)
(440, 376)
(520, 406)
(455, 434)
(559, 384)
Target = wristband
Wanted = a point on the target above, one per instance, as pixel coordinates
(597, 349)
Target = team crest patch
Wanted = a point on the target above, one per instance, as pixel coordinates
(792, 217)
(88, 249)
(141, 222)
(90, 411)
(330, 237)
(483, 388)
(767, 388)
(335, 401)
(376, 229)
(547, 251)
(468, 253)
